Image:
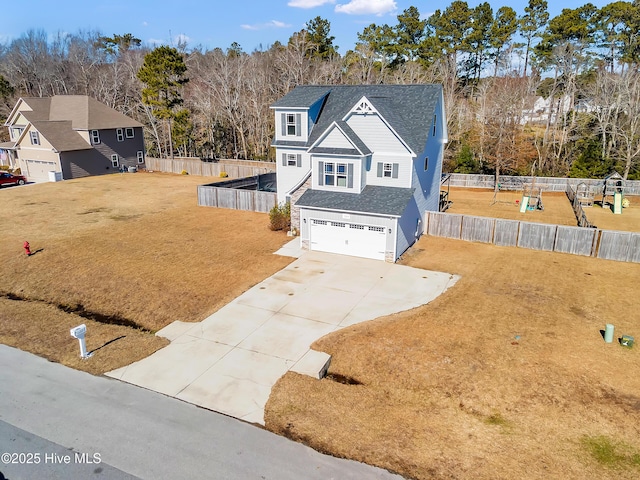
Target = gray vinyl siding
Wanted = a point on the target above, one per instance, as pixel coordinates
(97, 161)
(387, 222)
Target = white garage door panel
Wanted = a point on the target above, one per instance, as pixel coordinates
(366, 241)
(38, 170)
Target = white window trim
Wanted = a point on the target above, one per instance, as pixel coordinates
(291, 124)
(140, 156)
(35, 137)
(387, 170)
(129, 130)
(95, 137)
(292, 160)
(115, 161)
(120, 135)
(335, 175)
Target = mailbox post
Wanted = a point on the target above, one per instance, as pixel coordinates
(79, 332)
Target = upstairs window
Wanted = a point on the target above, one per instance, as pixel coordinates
(291, 124)
(291, 160)
(388, 170)
(95, 137)
(129, 132)
(426, 163)
(35, 138)
(16, 132)
(435, 124)
(120, 135)
(336, 174)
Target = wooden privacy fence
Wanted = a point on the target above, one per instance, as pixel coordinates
(583, 221)
(607, 244)
(194, 166)
(240, 194)
(549, 184)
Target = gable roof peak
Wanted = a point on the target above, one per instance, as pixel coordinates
(363, 106)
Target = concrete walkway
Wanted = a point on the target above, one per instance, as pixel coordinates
(230, 361)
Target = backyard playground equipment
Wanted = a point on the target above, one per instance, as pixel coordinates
(613, 192)
(584, 195)
(507, 192)
(531, 198)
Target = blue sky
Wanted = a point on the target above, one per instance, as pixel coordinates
(251, 23)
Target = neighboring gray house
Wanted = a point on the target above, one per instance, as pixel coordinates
(360, 165)
(72, 135)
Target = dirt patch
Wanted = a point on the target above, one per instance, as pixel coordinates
(134, 247)
(500, 377)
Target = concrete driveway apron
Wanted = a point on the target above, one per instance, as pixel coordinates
(230, 361)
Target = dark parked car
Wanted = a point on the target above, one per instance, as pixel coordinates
(11, 179)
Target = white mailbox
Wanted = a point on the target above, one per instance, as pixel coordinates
(79, 332)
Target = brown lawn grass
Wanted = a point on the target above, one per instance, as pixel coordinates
(478, 201)
(135, 248)
(449, 391)
(627, 221)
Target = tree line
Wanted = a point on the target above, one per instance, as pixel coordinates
(493, 65)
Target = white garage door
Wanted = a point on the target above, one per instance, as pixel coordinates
(38, 170)
(368, 241)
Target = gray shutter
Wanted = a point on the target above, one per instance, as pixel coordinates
(350, 175)
(284, 159)
(298, 125)
(299, 160)
(394, 172)
(320, 173)
(379, 169)
(283, 118)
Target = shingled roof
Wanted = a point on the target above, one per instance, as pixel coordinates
(84, 112)
(390, 201)
(409, 109)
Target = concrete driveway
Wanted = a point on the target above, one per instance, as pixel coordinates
(230, 361)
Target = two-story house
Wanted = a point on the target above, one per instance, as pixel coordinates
(360, 165)
(73, 136)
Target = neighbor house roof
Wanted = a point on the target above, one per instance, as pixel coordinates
(409, 109)
(61, 136)
(84, 112)
(390, 201)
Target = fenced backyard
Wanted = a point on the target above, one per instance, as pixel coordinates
(605, 244)
(547, 184)
(195, 166)
(255, 193)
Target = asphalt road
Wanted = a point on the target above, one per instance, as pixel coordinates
(113, 430)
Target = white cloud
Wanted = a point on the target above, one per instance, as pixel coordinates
(309, 3)
(145, 24)
(263, 26)
(181, 39)
(367, 7)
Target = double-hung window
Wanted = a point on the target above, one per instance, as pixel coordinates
(291, 124)
(120, 135)
(129, 132)
(35, 138)
(114, 161)
(387, 170)
(337, 175)
(140, 156)
(292, 159)
(95, 137)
